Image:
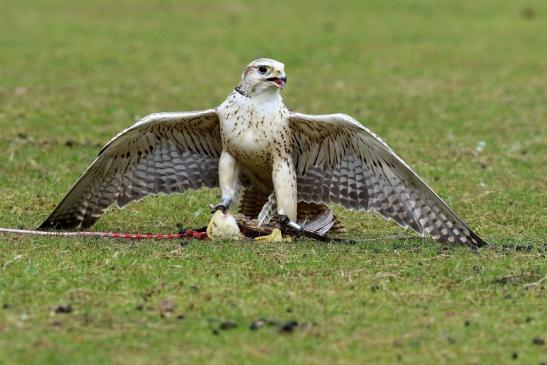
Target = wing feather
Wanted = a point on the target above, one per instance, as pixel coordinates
(162, 153)
(338, 160)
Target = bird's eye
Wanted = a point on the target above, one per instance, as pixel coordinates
(262, 69)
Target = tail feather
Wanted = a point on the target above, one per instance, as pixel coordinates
(313, 217)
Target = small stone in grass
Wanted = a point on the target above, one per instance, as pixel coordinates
(257, 324)
(227, 325)
(167, 307)
(289, 327)
(538, 341)
(374, 288)
(467, 323)
(62, 309)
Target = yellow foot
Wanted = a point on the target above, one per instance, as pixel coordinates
(223, 226)
(275, 236)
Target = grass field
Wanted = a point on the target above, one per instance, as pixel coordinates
(457, 88)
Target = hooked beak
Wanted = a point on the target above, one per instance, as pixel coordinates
(279, 82)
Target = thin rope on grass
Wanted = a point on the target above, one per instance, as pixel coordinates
(169, 236)
(134, 236)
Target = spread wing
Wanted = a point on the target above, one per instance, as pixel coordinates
(162, 153)
(340, 161)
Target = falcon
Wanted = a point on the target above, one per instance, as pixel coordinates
(284, 165)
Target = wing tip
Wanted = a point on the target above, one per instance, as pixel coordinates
(43, 227)
(470, 239)
(476, 241)
(52, 223)
(47, 225)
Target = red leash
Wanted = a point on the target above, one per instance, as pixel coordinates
(198, 234)
(188, 233)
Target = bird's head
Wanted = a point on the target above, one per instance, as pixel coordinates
(262, 76)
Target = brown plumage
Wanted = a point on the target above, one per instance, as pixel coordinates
(252, 202)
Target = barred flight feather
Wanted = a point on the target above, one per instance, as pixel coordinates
(162, 153)
(362, 172)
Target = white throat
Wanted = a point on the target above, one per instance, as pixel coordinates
(268, 96)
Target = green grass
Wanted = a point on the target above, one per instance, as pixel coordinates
(434, 79)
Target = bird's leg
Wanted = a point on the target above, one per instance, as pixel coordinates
(284, 181)
(228, 175)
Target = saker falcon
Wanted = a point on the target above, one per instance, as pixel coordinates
(281, 161)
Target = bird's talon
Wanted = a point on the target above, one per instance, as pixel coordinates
(220, 207)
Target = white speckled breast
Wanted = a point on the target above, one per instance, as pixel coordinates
(252, 128)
